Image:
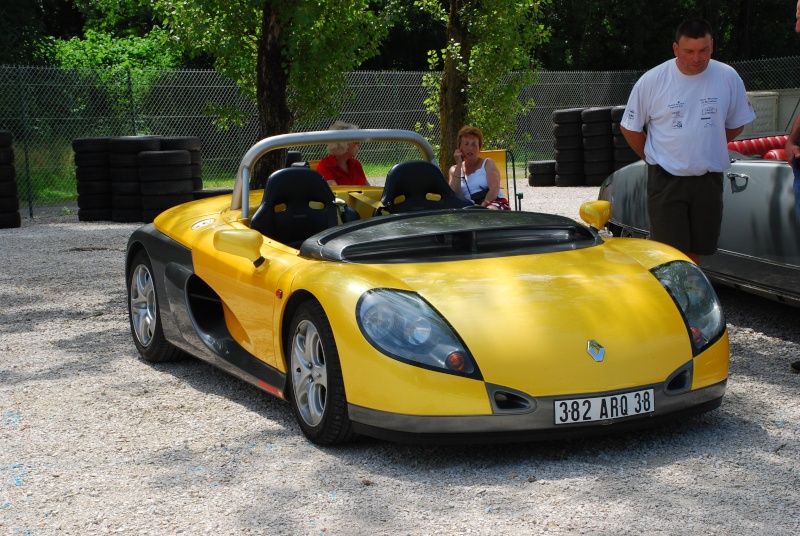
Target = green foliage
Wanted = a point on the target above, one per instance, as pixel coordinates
(102, 50)
(321, 41)
(502, 35)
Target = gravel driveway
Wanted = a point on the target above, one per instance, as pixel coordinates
(94, 440)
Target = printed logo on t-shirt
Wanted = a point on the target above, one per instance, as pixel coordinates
(677, 124)
(710, 110)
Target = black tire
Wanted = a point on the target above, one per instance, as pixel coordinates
(6, 138)
(598, 155)
(181, 143)
(196, 156)
(569, 142)
(164, 158)
(165, 173)
(598, 168)
(627, 154)
(321, 410)
(124, 174)
(8, 189)
(90, 145)
(570, 115)
(569, 168)
(197, 183)
(167, 187)
(598, 142)
(596, 180)
(542, 180)
(134, 144)
(619, 142)
(10, 220)
(125, 188)
(123, 160)
(567, 130)
(542, 167)
(94, 201)
(94, 214)
(570, 180)
(9, 204)
(94, 188)
(97, 159)
(599, 114)
(91, 174)
(8, 173)
(617, 113)
(144, 314)
(126, 215)
(163, 202)
(569, 155)
(6, 156)
(148, 215)
(197, 170)
(596, 129)
(126, 202)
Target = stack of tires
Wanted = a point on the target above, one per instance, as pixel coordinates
(542, 173)
(598, 146)
(9, 200)
(568, 144)
(192, 144)
(623, 154)
(94, 179)
(165, 180)
(126, 195)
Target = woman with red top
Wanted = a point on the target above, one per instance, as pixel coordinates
(341, 166)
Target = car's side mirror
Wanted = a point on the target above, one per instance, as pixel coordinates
(596, 213)
(242, 243)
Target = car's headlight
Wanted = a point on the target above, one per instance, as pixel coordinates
(403, 326)
(696, 299)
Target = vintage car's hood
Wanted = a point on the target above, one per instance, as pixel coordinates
(528, 320)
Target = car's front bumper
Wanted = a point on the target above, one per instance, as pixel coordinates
(536, 424)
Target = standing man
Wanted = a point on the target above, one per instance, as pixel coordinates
(793, 156)
(679, 119)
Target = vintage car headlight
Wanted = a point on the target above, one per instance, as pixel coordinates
(696, 299)
(403, 326)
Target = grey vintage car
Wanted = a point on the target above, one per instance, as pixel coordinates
(759, 245)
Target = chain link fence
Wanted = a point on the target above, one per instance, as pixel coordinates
(46, 108)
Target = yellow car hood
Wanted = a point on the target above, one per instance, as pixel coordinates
(528, 319)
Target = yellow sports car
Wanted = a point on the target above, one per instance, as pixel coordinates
(405, 313)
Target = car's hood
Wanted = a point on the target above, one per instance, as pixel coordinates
(529, 318)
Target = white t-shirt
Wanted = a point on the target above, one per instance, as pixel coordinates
(686, 116)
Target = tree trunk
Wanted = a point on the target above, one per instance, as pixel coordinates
(272, 79)
(453, 90)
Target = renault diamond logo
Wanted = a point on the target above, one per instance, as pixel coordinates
(595, 350)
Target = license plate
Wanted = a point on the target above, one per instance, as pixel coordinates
(602, 408)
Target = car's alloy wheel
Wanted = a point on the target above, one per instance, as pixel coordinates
(143, 304)
(144, 314)
(317, 389)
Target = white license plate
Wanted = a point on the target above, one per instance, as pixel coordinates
(601, 408)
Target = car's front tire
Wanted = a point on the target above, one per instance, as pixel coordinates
(145, 316)
(316, 387)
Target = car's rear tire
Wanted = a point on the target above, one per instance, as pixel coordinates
(145, 315)
(316, 389)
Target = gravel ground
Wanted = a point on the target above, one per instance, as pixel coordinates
(94, 440)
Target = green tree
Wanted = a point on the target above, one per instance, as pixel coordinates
(291, 57)
(485, 62)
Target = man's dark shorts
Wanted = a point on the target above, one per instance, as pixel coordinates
(685, 212)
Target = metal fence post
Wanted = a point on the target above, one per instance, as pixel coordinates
(26, 150)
